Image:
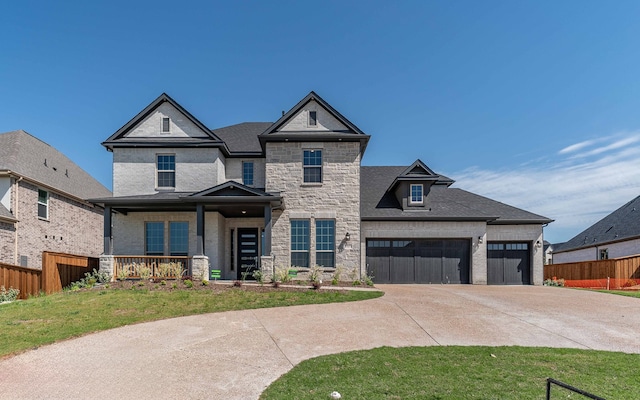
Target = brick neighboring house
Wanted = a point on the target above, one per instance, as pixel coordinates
(43, 204)
(614, 236)
(293, 193)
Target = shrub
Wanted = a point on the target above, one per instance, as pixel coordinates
(554, 282)
(315, 274)
(205, 282)
(630, 283)
(188, 283)
(335, 278)
(368, 279)
(258, 276)
(8, 295)
(144, 272)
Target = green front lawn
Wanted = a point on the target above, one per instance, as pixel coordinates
(460, 373)
(42, 320)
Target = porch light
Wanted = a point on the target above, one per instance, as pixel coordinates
(347, 237)
(479, 239)
(244, 211)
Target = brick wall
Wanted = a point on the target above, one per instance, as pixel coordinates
(7, 240)
(72, 227)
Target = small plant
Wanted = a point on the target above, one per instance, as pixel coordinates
(8, 295)
(174, 285)
(237, 283)
(315, 274)
(335, 278)
(205, 282)
(357, 282)
(188, 283)
(258, 276)
(163, 282)
(171, 270)
(124, 271)
(554, 282)
(141, 283)
(368, 279)
(144, 272)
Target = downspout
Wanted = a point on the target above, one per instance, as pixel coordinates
(15, 241)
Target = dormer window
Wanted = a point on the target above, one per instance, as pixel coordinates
(416, 195)
(165, 125)
(313, 118)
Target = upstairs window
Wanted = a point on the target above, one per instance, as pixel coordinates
(300, 243)
(166, 125)
(604, 254)
(166, 170)
(43, 204)
(247, 173)
(416, 196)
(313, 118)
(154, 238)
(325, 243)
(178, 238)
(312, 166)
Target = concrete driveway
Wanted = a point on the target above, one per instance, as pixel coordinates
(235, 355)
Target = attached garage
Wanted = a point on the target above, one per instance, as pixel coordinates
(508, 263)
(419, 260)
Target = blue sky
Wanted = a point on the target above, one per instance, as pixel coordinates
(532, 103)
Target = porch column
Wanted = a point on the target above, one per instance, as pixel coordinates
(267, 230)
(200, 229)
(108, 239)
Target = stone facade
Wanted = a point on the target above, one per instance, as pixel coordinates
(337, 198)
(72, 226)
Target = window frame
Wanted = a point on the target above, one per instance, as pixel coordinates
(603, 254)
(314, 119)
(44, 204)
(147, 225)
(162, 125)
(296, 244)
(165, 171)
(245, 171)
(326, 236)
(411, 200)
(183, 224)
(307, 157)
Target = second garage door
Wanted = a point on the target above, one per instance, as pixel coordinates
(418, 260)
(508, 263)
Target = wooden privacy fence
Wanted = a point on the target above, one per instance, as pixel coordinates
(27, 280)
(58, 270)
(613, 273)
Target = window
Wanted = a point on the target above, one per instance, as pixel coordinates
(43, 204)
(165, 125)
(178, 238)
(312, 166)
(300, 243)
(325, 243)
(313, 118)
(154, 238)
(604, 254)
(166, 170)
(247, 173)
(416, 194)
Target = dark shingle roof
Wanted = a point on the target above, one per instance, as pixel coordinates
(622, 224)
(442, 202)
(242, 137)
(30, 157)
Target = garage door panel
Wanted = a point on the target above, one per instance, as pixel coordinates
(378, 264)
(508, 263)
(516, 267)
(428, 265)
(455, 261)
(402, 265)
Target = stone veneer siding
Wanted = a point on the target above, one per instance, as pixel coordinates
(337, 197)
(72, 227)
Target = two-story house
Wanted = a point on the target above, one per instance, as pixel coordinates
(43, 204)
(293, 194)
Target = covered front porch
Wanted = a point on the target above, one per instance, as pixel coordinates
(225, 229)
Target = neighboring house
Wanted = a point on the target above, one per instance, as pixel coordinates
(43, 204)
(293, 194)
(549, 248)
(616, 235)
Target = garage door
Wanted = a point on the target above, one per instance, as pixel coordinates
(508, 263)
(418, 261)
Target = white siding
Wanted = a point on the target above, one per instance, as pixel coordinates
(180, 126)
(134, 169)
(616, 250)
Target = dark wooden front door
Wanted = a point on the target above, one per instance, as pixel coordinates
(247, 252)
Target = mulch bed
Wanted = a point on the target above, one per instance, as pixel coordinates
(218, 286)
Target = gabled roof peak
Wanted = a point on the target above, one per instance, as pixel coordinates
(417, 169)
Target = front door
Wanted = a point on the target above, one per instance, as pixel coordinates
(247, 252)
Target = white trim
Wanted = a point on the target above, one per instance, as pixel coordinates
(411, 186)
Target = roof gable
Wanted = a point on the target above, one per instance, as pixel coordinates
(147, 124)
(231, 188)
(329, 119)
(419, 172)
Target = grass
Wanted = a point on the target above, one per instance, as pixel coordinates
(628, 293)
(42, 320)
(453, 372)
